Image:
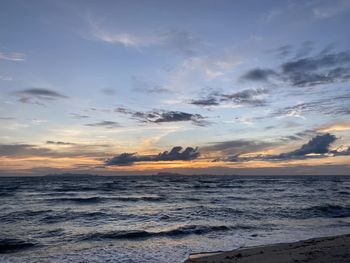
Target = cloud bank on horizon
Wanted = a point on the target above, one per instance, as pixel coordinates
(249, 90)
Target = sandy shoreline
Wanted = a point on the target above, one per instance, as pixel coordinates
(317, 250)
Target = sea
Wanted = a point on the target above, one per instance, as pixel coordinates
(146, 219)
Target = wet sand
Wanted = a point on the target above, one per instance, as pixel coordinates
(317, 250)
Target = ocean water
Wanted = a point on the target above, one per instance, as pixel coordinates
(163, 218)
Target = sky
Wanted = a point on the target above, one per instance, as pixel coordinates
(190, 87)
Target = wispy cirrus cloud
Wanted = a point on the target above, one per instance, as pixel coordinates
(79, 116)
(12, 56)
(237, 147)
(331, 9)
(335, 127)
(55, 149)
(175, 154)
(337, 105)
(179, 41)
(21, 149)
(141, 84)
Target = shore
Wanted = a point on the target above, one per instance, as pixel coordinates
(317, 250)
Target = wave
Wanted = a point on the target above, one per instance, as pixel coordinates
(8, 245)
(23, 215)
(79, 200)
(96, 199)
(71, 215)
(327, 210)
(139, 198)
(177, 232)
(6, 194)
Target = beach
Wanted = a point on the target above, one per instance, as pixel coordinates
(327, 249)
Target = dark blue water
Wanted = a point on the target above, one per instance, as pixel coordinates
(163, 219)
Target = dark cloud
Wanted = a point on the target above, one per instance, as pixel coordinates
(316, 63)
(104, 124)
(38, 95)
(317, 70)
(59, 143)
(258, 74)
(244, 97)
(247, 96)
(317, 147)
(43, 93)
(323, 68)
(205, 102)
(163, 116)
(175, 154)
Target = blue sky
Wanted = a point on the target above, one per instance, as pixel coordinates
(242, 84)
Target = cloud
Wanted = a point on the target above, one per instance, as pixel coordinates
(141, 84)
(163, 116)
(104, 124)
(23, 150)
(6, 78)
(324, 68)
(12, 56)
(331, 9)
(258, 74)
(305, 49)
(108, 91)
(175, 154)
(282, 51)
(197, 71)
(317, 147)
(60, 143)
(345, 152)
(244, 97)
(7, 118)
(320, 69)
(237, 147)
(209, 101)
(336, 127)
(181, 42)
(79, 116)
(337, 105)
(247, 96)
(41, 93)
(38, 95)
